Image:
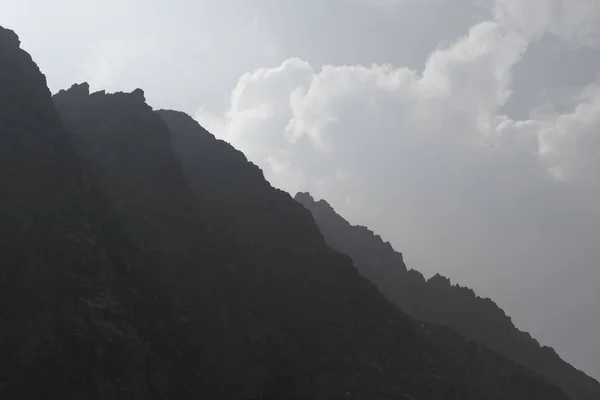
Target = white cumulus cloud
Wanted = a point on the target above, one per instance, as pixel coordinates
(427, 157)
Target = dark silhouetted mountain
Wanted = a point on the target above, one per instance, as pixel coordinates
(62, 306)
(437, 300)
(340, 321)
(141, 258)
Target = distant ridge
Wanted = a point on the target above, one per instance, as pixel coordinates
(437, 300)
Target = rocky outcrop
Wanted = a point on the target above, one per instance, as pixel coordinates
(437, 300)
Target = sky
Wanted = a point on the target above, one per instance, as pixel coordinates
(465, 132)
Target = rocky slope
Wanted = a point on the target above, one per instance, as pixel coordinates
(437, 300)
(144, 259)
(334, 298)
(174, 267)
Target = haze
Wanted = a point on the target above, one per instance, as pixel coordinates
(466, 132)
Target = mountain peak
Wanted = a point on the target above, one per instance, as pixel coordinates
(439, 281)
(307, 200)
(302, 197)
(9, 38)
(78, 89)
(139, 93)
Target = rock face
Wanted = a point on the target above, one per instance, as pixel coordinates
(437, 300)
(66, 329)
(174, 263)
(141, 258)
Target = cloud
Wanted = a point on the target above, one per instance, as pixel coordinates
(570, 142)
(574, 21)
(577, 22)
(294, 109)
(428, 159)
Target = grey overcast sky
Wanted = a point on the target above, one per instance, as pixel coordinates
(466, 132)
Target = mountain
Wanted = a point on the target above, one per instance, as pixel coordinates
(437, 300)
(174, 264)
(141, 258)
(333, 295)
(61, 302)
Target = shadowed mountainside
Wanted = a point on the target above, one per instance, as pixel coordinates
(263, 218)
(437, 300)
(178, 251)
(141, 258)
(61, 300)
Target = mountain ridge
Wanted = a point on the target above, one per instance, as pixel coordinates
(437, 300)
